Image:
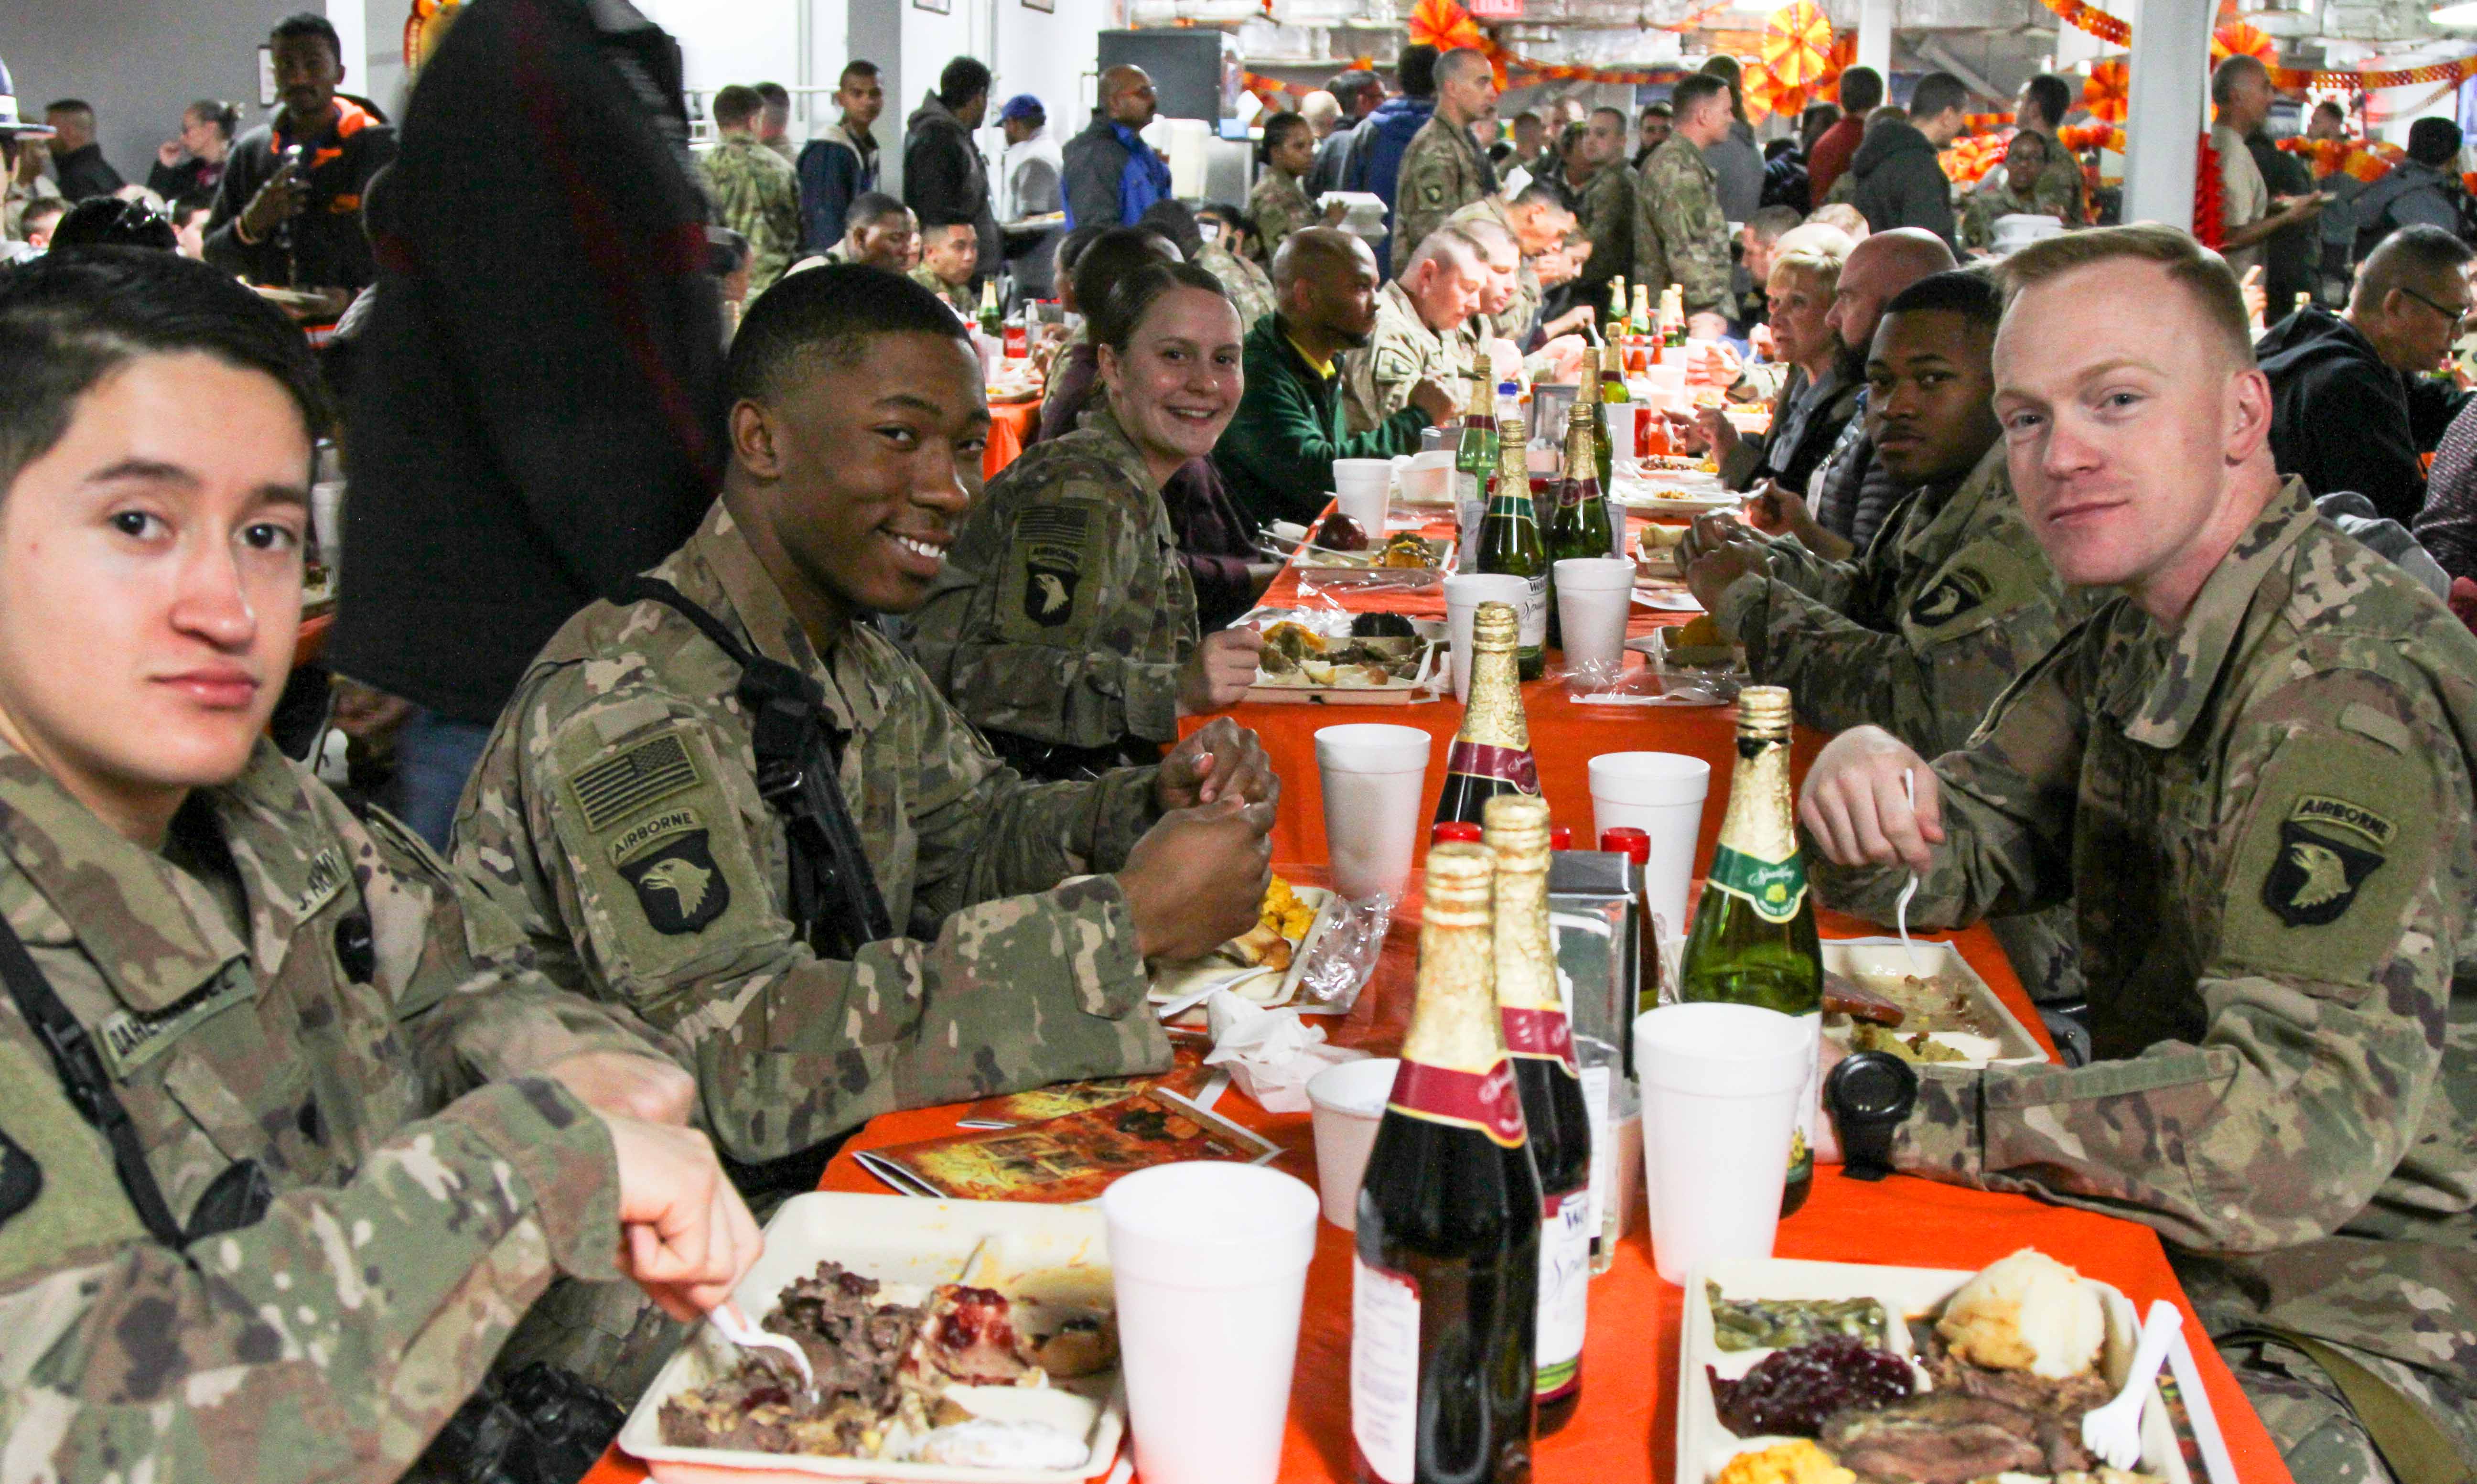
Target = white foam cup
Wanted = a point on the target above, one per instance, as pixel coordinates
(1464, 592)
(1427, 478)
(1660, 793)
(1345, 1104)
(1373, 774)
(1594, 600)
(1210, 1263)
(327, 522)
(1361, 490)
(1720, 1089)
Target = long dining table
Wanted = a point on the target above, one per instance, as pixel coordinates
(1624, 1430)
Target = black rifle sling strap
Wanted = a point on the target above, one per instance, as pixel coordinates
(89, 1085)
(833, 891)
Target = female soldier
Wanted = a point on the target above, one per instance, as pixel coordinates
(1278, 202)
(285, 1145)
(1065, 623)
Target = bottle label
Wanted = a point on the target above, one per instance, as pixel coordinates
(1599, 1101)
(1775, 889)
(1533, 619)
(1565, 1292)
(1506, 764)
(1385, 1370)
(1541, 1033)
(1483, 1101)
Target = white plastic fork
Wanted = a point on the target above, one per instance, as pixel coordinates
(2113, 1431)
(733, 1326)
(1901, 907)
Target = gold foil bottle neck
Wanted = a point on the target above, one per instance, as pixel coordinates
(1514, 826)
(1587, 390)
(1455, 1022)
(1516, 832)
(1511, 461)
(1613, 360)
(1495, 626)
(1493, 715)
(1764, 712)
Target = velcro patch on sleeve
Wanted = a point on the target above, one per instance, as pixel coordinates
(1052, 571)
(647, 773)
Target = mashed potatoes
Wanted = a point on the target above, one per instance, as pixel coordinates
(2026, 1313)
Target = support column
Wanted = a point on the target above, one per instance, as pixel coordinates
(2164, 109)
(1875, 40)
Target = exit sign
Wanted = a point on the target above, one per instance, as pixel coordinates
(1497, 9)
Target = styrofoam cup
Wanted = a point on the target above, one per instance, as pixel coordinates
(1373, 774)
(1345, 1104)
(1210, 1263)
(1622, 430)
(1594, 600)
(1361, 490)
(1661, 794)
(1464, 592)
(1720, 1090)
(327, 522)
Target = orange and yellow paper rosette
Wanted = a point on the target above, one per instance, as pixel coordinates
(2243, 40)
(424, 24)
(2108, 90)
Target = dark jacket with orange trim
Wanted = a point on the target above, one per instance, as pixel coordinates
(324, 246)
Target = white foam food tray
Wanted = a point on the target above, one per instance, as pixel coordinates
(1053, 1253)
(1704, 1442)
(1178, 980)
(1860, 960)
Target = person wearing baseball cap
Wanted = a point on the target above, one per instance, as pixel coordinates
(22, 167)
(1030, 173)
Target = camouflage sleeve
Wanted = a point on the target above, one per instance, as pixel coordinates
(472, 1007)
(1827, 582)
(678, 915)
(1693, 235)
(2347, 899)
(2055, 194)
(330, 1340)
(1428, 190)
(1037, 643)
(1650, 256)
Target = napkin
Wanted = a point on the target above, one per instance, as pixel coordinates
(1271, 1053)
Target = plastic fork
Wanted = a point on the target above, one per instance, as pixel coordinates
(1901, 907)
(2113, 1431)
(735, 1328)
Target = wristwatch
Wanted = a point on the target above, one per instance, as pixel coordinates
(1869, 1095)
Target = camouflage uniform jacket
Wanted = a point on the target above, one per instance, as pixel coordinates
(1994, 198)
(322, 1003)
(616, 812)
(2061, 191)
(1442, 171)
(1609, 211)
(1251, 292)
(1948, 604)
(1686, 239)
(1377, 377)
(2262, 820)
(958, 296)
(1521, 316)
(1280, 206)
(757, 194)
(1065, 612)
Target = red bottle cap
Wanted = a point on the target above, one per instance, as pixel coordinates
(1625, 839)
(1451, 830)
(1561, 837)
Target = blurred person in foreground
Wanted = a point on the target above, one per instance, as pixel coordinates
(1422, 335)
(2356, 403)
(756, 192)
(2249, 775)
(293, 1134)
(911, 922)
(288, 208)
(534, 416)
(1063, 622)
(1277, 454)
(838, 166)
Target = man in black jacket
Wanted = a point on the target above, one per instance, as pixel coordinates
(2351, 405)
(77, 159)
(288, 210)
(1098, 183)
(538, 411)
(945, 178)
(1899, 182)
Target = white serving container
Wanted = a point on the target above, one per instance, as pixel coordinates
(1860, 959)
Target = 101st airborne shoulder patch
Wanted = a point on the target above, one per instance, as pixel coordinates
(665, 857)
(677, 883)
(2327, 848)
(1956, 592)
(1051, 539)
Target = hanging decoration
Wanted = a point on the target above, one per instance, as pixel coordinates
(2210, 204)
(1968, 159)
(2243, 40)
(1797, 44)
(424, 24)
(2106, 94)
(2083, 16)
(2116, 31)
(1444, 24)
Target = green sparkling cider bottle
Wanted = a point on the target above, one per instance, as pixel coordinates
(1753, 941)
(1508, 543)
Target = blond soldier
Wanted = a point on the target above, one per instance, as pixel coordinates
(1420, 332)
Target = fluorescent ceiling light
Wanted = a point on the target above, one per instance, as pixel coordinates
(2461, 14)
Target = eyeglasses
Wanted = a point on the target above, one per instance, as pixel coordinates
(2459, 317)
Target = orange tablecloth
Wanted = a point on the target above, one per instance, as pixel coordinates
(1011, 425)
(1625, 1430)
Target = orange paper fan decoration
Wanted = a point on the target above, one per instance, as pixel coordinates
(2243, 40)
(2104, 95)
(1797, 44)
(1444, 25)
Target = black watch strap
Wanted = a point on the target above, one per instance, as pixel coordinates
(1869, 1096)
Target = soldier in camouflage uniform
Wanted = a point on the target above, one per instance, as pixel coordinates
(1686, 236)
(1538, 220)
(1443, 169)
(1228, 258)
(2251, 775)
(1276, 201)
(1420, 333)
(362, 1136)
(755, 190)
(1606, 206)
(2013, 187)
(950, 255)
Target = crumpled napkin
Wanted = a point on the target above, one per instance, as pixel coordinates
(1271, 1053)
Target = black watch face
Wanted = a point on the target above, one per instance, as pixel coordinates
(1872, 1085)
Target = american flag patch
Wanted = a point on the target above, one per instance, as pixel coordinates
(607, 793)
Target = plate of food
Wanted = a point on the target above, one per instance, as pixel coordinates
(1664, 596)
(954, 1342)
(1805, 1372)
(1695, 645)
(1300, 663)
(1922, 1004)
(1263, 964)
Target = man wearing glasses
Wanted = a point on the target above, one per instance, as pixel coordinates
(2355, 400)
